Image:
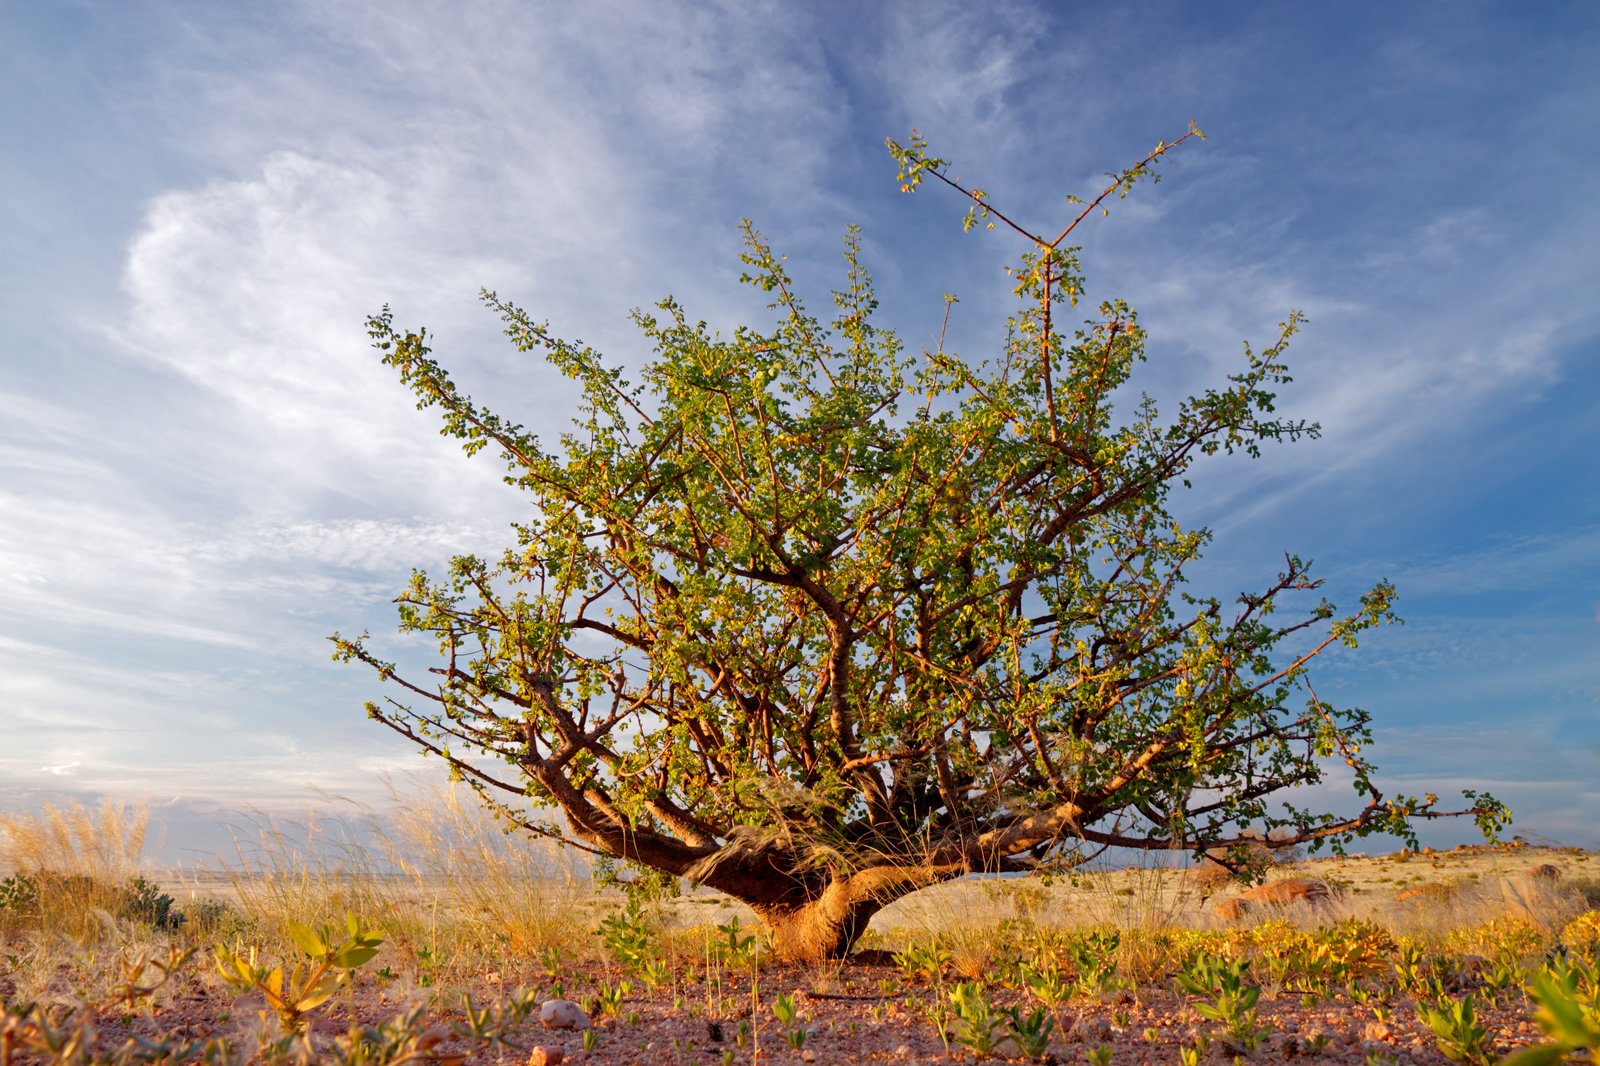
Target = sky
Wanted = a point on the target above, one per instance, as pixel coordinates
(205, 470)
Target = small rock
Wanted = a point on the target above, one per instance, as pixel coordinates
(1377, 1032)
(808, 1055)
(903, 1051)
(562, 1014)
(1231, 910)
(546, 1056)
(1090, 1028)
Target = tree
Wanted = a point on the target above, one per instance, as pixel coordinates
(818, 624)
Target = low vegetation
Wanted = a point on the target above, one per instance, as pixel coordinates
(436, 939)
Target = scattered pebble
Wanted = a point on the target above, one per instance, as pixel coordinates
(562, 1014)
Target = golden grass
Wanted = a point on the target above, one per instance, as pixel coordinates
(459, 899)
(454, 894)
(103, 844)
(72, 862)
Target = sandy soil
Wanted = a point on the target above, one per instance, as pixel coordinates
(856, 1022)
(866, 1010)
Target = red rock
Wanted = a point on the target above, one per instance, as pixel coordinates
(1289, 890)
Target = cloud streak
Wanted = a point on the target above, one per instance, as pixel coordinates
(207, 469)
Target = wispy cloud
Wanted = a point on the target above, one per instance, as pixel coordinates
(208, 470)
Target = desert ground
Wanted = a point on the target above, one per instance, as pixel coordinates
(1403, 957)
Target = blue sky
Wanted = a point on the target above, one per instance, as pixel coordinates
(204, 470)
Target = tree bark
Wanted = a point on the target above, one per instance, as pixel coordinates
(823, 928)
(816, 916)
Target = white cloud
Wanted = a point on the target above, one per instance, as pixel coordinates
(171, 556)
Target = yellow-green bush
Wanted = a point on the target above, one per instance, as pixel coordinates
(1510, 938)
(1582, 934)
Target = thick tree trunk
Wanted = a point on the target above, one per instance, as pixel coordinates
(815, 916)
(823, 928)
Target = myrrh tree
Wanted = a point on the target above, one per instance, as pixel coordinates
(818, 624)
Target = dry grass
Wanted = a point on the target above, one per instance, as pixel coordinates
(70, 866)
(459, 899)
(455, 894)
(465, 907)
(103, 844)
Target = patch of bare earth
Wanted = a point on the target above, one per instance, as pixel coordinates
(854, 1022)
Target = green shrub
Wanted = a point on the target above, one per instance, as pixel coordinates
(146, 903)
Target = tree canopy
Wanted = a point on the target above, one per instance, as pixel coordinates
(818, 623)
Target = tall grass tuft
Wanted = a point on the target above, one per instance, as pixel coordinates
(454, 893)
(71, 869)
(103, 845)
(494, 889)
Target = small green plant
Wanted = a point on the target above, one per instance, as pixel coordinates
(1503, 977)
(1455, 1026)
(44, 1034)
(51, 1034)
(978, 1026)
(1100, 1056)
(306, 987)
(737, 949)
(591, 1039)
(1191, 1056)
(608, 999)
(655, 973)
(927, 961)
(1411, 967)
(405, 1040)
(1046, 981)
(1235, 999)
(1094, 954)
(19, 893)
(1567, 994)
(487, 1026)
(145, 902)
(429, 960)
(1031, 1032)
(626, 935)
(784, 1009)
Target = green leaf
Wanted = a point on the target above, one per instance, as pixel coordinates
(1538, 1055)
(307, 940)
(317, 994)
(350, 956)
